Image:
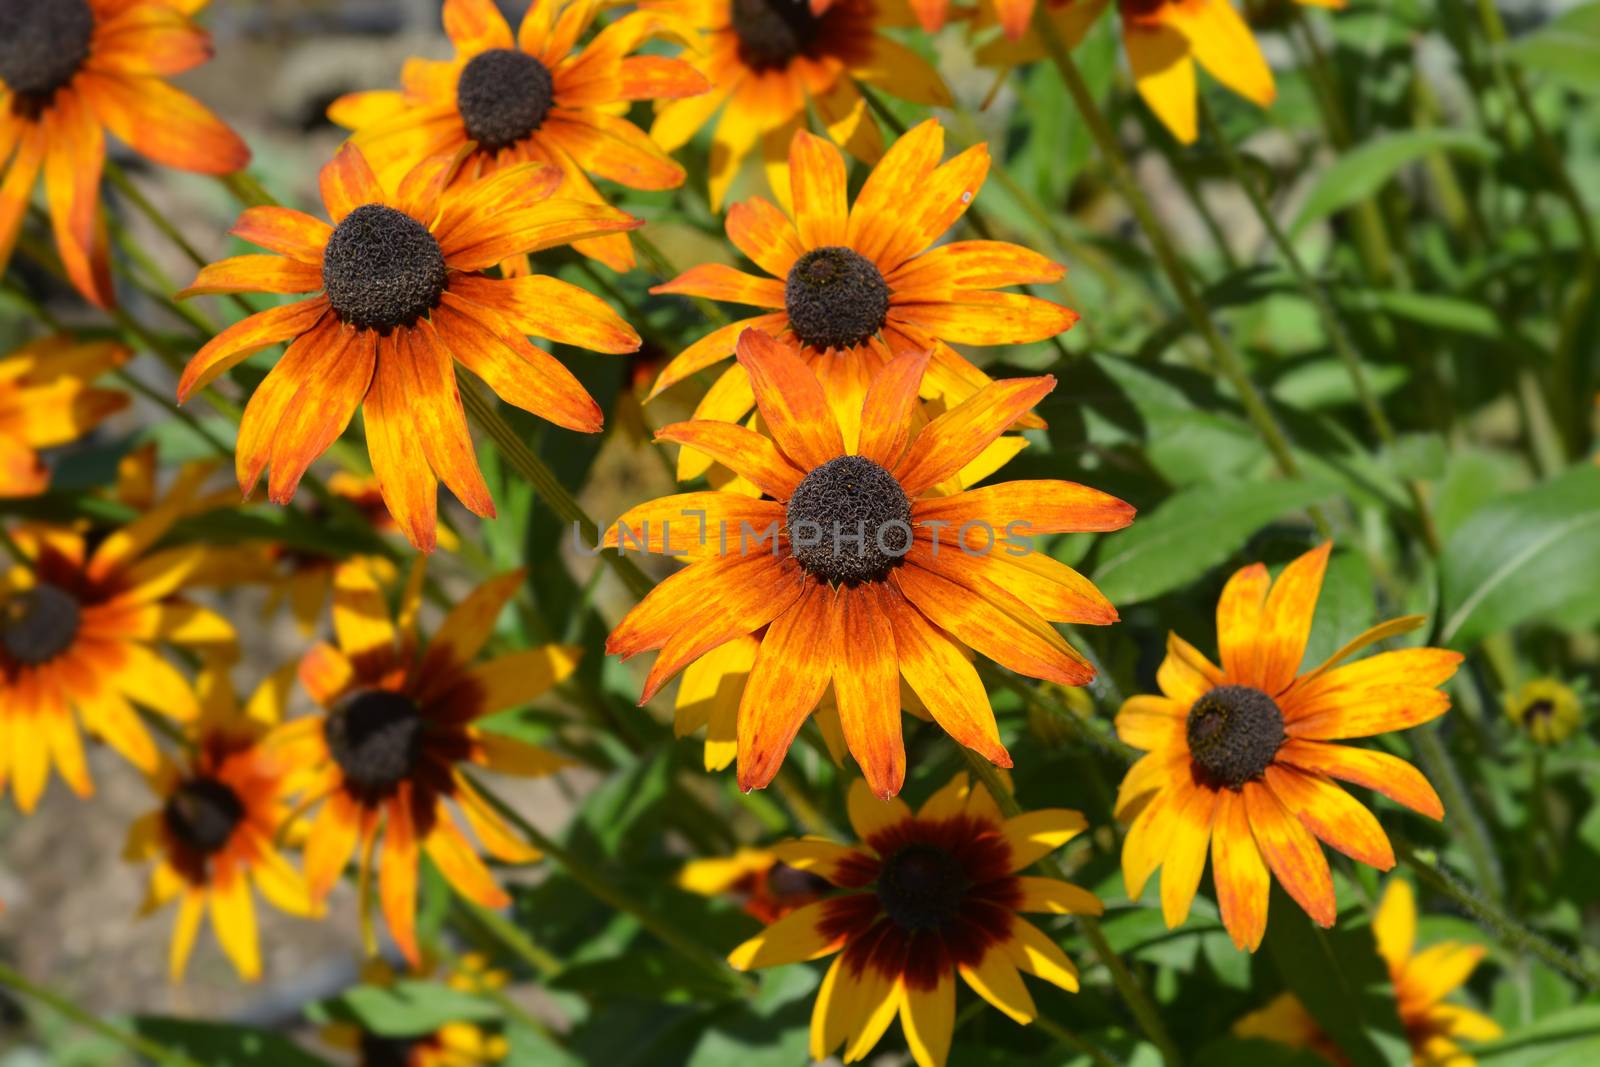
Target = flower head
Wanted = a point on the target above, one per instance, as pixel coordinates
(215, 837)
(400, 300)
(1548, 710)
(70, 70)
(80, 629)
(1421, 982)
(770, 62)
(840, 573)
(927, 896)
(1239, 762)
(765, 887)
(46, 399)
(537, 97)
(1164, 39)
(852, 287)
(399, 727)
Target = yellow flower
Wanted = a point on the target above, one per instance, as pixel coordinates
(1421, 982)
(1548, 710)
(46, 400)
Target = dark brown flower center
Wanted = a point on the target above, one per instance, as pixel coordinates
(503, 96)
(39, 624)
(42, 45)
(380, 1051)
(1539, 709)
(849, 521)
(375, 736)
(921, 887)
(835, 298)
(202, 813)
(772, 32)
(382, 269)
(1234, 731)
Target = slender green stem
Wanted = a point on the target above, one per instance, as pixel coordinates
(544, 482)
(183, 414)
(247, 190)
(1095, 731)
(1228, 361)
(1138, 1001)
(1331, 323)
(1463, 814)
(512, 937)
(604, 891)
(1510, 933)
(135, 1043)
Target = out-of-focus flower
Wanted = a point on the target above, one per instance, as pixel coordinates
(400, 299)
(765, 887)
(1239, 764)
(1548, 710)
(458, 1044)
(46, 399)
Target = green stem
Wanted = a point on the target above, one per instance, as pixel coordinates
(511, 936)
(1138, 1001)
(1331, 323)
(135, 1043)
(1510, 933)
(528, 464)
(247, 190)
(183, 414)
(709, 960)
(1461, 812)
(1228, 361)
(1095, 731)
(1073, 1041)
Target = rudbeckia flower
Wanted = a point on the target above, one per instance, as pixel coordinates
(46, 400)
(1164, 39)
(70, 70)
(1421, 982)
(215, 836)
(538, 97)
(1239, 762)
(80, 628)
(1547, 710)
(840, 572)
(398, 727)
(851, 288)
(771, 61)
(764, 886)
(457, 1044)
(399, 299)
(927, 896)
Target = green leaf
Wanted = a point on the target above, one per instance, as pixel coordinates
(1568, 1038)
(1433, 310)
(1192, 532)
(225, 1044)
(771, 1030)
(1526, 556)
(405, 1009)
(1364, 170)
(1567, 49)
(1233, 1051)
(1342, 981)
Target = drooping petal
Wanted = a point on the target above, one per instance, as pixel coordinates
(1336, 817)
(1292, 853)
(1240, 874)
(866, 686)
(163, 123)
(247, 337)
(791, 673)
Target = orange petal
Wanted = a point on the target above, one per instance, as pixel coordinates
(476, 26)
(489, 238)
(1292, 853)
(348, 182)
(397, 875)
(711, 349)
(269, 404)
(1041, 507)
(162, 123)
(791, 673)
(553, 309)
(456, 859)
(716, 281)
(1378, 771)
(944, 679)
(1286, 619)
(744, 451)
(407, 483)
(1240, 874)
(958, 436)
(279, 229)
(866, 686)
(255, 274)
(660, 615)
(887, 412)
(940, 273)
(1336, 817)
(817, 180)
(760, 230)
(791, 401)
(1239, 615)
(437, 420)
(611, 147)
(320, 411)
(247, 337)
(985, 317)
(880, 207)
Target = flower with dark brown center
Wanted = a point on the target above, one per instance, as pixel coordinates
(382, 269)
(773, 32)
(39, 624)
(849, 521)
(835, 298)
(375, 736)
(1234, 731)
(921, 887)
(202, 814)
(42, 45)
(503, 96)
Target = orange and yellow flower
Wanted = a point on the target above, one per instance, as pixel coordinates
(927, 896)
(388, 754)
(400, 299)
(1239, 761)
(537, 98)
(770, 62)
(895, 601)
(80, 626)
(1421, 982)
(763, 885)
(215, 837)
(1163, 39)
(70, 70)
(46, 399)
(851, 288)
